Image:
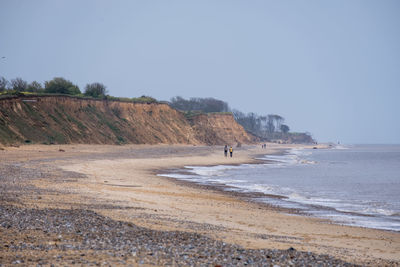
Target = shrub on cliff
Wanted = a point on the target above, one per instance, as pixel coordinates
(19, 85)
(35, 87)
(61, 86)
(142, 99)
(97, 90)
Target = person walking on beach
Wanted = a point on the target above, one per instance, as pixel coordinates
(231, 151)
(226, 150)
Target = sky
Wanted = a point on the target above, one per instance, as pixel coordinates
(331, 68)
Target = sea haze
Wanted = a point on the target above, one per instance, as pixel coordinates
(353, 185)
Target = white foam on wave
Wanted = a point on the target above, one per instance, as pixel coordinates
(191, 178)
(345, 212)
(293, 157)
(280, 161)
(218, 173)
(206, 175)
(258, 188)
(355, 220)
(335, 204)
(340, 206)
(297, 197)
(208, 171)
(300, 152)
(380, 211)
(340, 147)
(175, 175)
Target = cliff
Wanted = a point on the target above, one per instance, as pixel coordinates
(65, 120)
(217, 129)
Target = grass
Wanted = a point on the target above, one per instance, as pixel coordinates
(192, 113)
(102, 119)
(7, 136)
(35, 125)
(221, 113)
(120, 140)
(55, 119)
(142, 99)
(31, 111)
(69, 118)
(117, 112)
(56, 137)
(80, 125)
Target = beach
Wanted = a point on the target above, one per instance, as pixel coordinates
(119, 185)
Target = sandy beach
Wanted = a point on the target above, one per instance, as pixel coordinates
(121, 183)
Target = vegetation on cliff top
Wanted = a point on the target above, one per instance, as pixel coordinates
(62, 87)
(269, 127)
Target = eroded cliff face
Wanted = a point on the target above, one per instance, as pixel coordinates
(64, 120)
(220, 129)
(69, 120)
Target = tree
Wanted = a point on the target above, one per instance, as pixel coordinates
(180, 103)
(237, 114)
(97, 90)
(284, 128)
(199, 104)
(253, 122)
(263, 125)
(278, 121)
(35, 87)
(19, 85)
(270, 123)
(61, 86)
(3, 84)
(211, 104)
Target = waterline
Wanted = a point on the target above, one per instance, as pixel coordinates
(350, 185)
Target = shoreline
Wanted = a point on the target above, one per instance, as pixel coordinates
(124, 177)
(250, 197)
(254, 196)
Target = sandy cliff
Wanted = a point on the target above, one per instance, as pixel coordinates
(216, 129)
(64, 120)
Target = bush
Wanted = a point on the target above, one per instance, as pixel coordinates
(34, 87)
(61, 86)
(19, 85)
(96, 90)
(142, 99)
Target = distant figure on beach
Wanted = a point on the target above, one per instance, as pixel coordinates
(226, 150)
(231, 151)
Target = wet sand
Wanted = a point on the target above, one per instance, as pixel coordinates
(120, 183)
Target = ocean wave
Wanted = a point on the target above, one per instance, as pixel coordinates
(208, 171)
(295, 156)
(266, 179)
(340, 147)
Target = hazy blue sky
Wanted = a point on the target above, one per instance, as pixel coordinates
(329, 67)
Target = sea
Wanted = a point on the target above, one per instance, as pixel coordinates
(356, 185)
